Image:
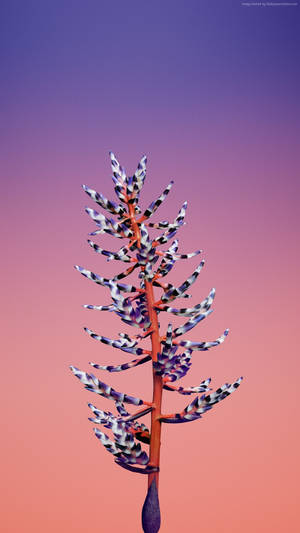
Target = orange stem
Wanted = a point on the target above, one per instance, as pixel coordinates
(154, 455)
(157, 388)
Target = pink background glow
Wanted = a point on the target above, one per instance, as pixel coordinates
(210, 92)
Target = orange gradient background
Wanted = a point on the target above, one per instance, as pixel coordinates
(209, 91)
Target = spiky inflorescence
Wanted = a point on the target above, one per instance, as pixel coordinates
(136, 307)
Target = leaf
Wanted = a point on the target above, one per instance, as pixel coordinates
(110, 206)
(173, 367)
(124, 434)
(119, 256)
(191, 323)
(121, 409)
(159, 225)
(107, 443)
(121, 344)
(203, 346)
(105, 282)
(166, 236)
(136, 182)
(177, 292)
(172, 228)
(108, 225)
(124, 274)
(156, 203)
(100, 307)
(190, 311)
(147, 470)
(93, 384)
(124, 366)
(118, 177)
(203, 387)
(177, 257)
(198, 406)
(117, 170)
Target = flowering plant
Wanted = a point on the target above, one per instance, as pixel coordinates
(137, 307)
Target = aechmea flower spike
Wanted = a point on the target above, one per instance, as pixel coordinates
(135, 304)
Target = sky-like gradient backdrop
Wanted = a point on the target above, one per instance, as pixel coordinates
(209, 90)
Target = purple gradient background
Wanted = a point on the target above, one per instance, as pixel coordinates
(210, 92)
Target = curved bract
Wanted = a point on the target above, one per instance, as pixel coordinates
(136, 306)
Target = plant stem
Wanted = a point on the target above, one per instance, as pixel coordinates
(157, 380)
(157, 388)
